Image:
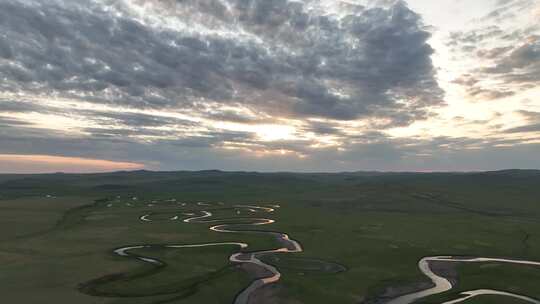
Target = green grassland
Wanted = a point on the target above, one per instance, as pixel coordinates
(371, 228)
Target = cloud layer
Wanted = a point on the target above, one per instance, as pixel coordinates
(509, 56)
(278, 57)
(261, 84)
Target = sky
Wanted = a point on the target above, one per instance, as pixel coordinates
(269, 85)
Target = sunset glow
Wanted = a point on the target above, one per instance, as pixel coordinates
(49, 163)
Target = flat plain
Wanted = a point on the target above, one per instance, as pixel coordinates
(362, 235)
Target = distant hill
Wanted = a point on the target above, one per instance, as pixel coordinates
(141, 181)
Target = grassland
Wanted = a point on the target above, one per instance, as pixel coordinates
(58, 233)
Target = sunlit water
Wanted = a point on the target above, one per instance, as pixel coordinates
(442, 284)
(289, 245)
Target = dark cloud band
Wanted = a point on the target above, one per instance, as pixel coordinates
(277, 56)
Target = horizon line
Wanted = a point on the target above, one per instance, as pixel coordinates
(273, 172)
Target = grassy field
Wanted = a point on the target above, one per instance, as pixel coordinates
(59, 231)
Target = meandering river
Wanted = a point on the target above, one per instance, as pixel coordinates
(205, 217)
(440, 283)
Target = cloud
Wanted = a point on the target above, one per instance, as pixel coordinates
(525, 129)
(510, 9)
(368, 151)
(16, 106)
(505, 49)
(532, 125)
(238, 117)
(279, 57)
(248, 84)
(323, 128)
(523, 56)
(6, 121)
(134, 120)
(5, 49)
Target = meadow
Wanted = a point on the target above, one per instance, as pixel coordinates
(362, 235)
